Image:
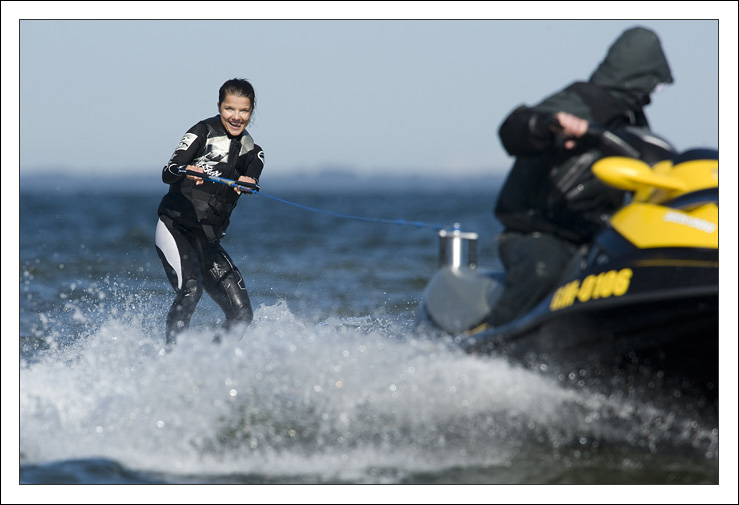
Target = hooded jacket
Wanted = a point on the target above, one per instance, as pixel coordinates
(552, 190)
(207, 208)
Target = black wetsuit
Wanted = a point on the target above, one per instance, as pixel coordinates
(193, 218)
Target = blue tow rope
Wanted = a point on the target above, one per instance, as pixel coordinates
(254, 189)
(417, 224)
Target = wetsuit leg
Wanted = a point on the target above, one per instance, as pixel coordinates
(533, 265)
(182, 265)
(224, 283)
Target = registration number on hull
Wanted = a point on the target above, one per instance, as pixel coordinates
(592, 287)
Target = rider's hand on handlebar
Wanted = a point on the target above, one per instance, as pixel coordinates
(571, 127)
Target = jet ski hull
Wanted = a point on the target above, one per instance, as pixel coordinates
(643, 295)
(674, 333)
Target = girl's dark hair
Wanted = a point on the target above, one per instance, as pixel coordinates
(238, 87)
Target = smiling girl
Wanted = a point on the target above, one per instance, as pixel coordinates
(194, 214)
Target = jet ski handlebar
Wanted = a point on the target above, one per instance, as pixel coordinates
(601, 137)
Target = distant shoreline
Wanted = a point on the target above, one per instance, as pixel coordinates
(313, 182)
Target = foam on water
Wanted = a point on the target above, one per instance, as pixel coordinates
(347, 398)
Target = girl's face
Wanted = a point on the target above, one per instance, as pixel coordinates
(235, 113)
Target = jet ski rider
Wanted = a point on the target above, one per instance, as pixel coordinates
(194, 214)
(551, 203)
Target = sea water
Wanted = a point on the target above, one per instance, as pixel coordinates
(331, 384)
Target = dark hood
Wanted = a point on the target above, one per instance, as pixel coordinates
(634, 65)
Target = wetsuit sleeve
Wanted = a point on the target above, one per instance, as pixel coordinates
(188, 148)
(256, 163)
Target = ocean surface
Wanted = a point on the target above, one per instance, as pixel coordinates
(331, 384)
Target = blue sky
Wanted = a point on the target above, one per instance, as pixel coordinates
(377, 95)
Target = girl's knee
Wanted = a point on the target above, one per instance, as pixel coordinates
(189, 295)
(192, 288)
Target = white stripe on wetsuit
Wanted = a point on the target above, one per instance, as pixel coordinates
(167, 244)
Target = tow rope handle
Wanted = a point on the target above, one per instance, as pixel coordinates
(246, 187)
